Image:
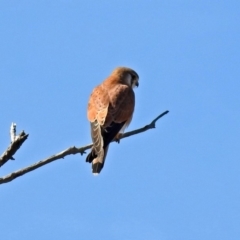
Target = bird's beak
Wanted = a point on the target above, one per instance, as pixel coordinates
(137, 84)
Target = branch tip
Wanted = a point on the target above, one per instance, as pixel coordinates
(13, 148)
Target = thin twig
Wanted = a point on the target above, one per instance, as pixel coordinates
(143, 129)
(12, 149)
(72, 150)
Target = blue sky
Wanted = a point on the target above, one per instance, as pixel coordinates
(178, 181)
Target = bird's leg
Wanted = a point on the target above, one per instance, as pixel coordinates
(117, 137)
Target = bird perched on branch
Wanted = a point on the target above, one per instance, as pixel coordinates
(110, 111)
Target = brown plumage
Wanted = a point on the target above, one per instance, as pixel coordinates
(110, 110)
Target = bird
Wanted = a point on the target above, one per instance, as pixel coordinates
(109, 111)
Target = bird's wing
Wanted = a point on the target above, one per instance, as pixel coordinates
(110, 108)
(122, 102)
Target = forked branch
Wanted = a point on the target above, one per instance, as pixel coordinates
(12, 149)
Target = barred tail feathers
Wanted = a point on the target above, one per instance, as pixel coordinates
(97, 154)
(98, 162)
(101, 140)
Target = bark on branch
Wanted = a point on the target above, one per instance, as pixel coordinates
(12, 149)
(72, 150)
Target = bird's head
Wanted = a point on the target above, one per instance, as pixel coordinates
(127, 76)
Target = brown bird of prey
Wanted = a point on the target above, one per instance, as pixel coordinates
(110, 111)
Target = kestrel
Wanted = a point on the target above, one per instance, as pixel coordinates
(110, 111)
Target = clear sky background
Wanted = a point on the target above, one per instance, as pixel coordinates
(179, 181)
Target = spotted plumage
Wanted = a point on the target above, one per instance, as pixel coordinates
(110, 110)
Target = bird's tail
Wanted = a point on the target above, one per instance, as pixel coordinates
(97, 160)
(101, 140)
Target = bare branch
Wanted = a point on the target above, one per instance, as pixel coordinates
(72, 150)
(13, 130)
(12, 149)
(143, 129)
